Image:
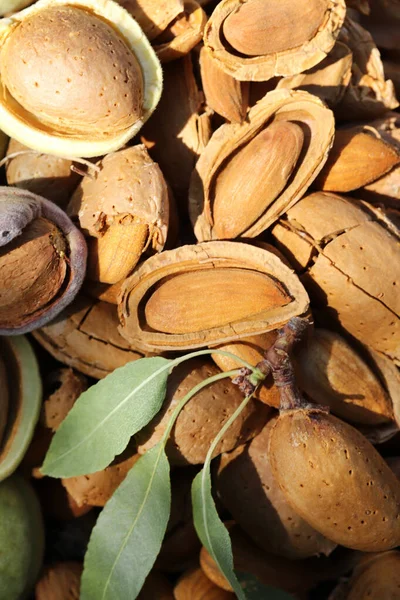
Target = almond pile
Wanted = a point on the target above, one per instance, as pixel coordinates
(179, 175)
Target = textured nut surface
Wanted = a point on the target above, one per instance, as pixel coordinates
(250, 492)
(203, 416)
(52, 90)
(377, 577)
(335, 479)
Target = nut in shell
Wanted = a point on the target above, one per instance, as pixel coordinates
(111, 62)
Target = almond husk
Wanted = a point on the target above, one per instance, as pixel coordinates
(179, 129)
(328, 79)
(61, 581)
(344, 250)
(69, 386)
(331, 372)
(224, 94)
(368, 95)
(250, 492)
(202, 417)
(183, 34)
(153, 16)
(124, 209)
(274, 63)
(282, 108)
(359, 156)
(156, 285)
(86, 338)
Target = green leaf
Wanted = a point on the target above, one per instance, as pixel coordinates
(210, 529)
(129, 532)
(255, 590)
(106, 416)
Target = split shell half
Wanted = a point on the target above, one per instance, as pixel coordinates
(25, 127)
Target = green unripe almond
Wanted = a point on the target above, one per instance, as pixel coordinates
(21, 538)
(335, 479)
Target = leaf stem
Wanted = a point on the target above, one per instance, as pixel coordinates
(190, 395)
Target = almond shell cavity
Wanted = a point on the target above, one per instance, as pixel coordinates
(63, 140)
(155, 285)
(286, 106)
(274, 64)
(335, 479)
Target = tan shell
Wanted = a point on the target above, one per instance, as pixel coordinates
(43, 174)
(59, 578)
(103, 121)
(126, 207)
(283, 107)
(179, 128)
(368, 95)
(251, 350)
(378, 577)
(344, 252)
(153, 16)
(86, 338)
(224, 94)
(195, 585)
(284, 63)
(249, 491)
(219, 260)
(202, 417)
(331, 372)
(183, 34)
(335, 479)
(96, 488)
(69, 386)
(328, 79)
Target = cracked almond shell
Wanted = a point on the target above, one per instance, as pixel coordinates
(163, 305)
(202, 417)
(377, 576)
(111, 94)
(350, 264)
(334, 478)
(248, 175)
(261, 35)
(250, 492)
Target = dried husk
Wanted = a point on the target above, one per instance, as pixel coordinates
(179, 128)
(60, 581)
(225, 95)
(359, 156)
(68, 387)
(202, 417)
(343, 250)
(42, 174)
(281, 108)
(123, 210)
(97, 488)
(251, 350)
(278, 297)
(195, 585)
(86, 338)
(153, 16)
(331, 372)
(335, 479)
(183, 34)
(274, 63)
(368, 95)
(328, 79)
(250, 492)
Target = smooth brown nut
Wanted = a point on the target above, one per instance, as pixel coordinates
(202, 417)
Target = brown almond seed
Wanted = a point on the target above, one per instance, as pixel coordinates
(336, 480)
(356, 159)
(178, 306)
(255, 177)
(258, 27)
